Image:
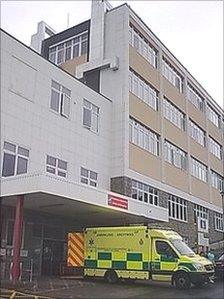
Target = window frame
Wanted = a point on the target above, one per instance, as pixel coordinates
(174, 114)
(56, 167)
(95, 113)
(198, 170)
(170, 73)
(196, 133)
(173, 153)
(142, 189)
(63, 93)
(215, 148)
(177, 208)
(89, 181)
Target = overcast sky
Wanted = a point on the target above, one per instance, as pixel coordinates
(192, 30)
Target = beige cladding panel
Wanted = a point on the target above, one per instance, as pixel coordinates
(215, 133)
(143, 162)
(172, 94)
(198, 151)
(143, 113)
(176, 177)
(70, 65)
(199, 189)
(216, 197)
(197, 116)
(175, 135)
(216, 164)
(143, 67)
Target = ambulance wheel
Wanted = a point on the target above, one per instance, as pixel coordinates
(182, 281)
(111, 276)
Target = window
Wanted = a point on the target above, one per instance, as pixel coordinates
(91, 116)
(219, 222)
(217, 181)
(15, 159)
(213, 116)
(141, 44)
(201, 212)
(194, 97)
(165, 250)
(172, 75)
(69, 49)
(174, 115)
(88, 177)
(56, 166)
(144, 193)
(196, 133)
(175, 155)
(143, 137)
(215, 148)
(199, 170)
(143, 90)
(60, 99)
(177, 208)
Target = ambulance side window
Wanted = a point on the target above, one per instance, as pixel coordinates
(164, 249)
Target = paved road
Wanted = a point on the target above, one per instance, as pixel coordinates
(74, 289)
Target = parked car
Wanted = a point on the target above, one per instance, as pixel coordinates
(219, 266)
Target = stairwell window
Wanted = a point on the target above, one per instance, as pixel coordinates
(15, 159)
(175, 155)
(90, 116)
(60, 99)
(177, 208)
(88, 177)
(56, 166)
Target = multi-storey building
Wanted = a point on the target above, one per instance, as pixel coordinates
(104, 127)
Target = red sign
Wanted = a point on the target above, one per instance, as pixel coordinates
(118, 202)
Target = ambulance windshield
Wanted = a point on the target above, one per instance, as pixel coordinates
(182, 247)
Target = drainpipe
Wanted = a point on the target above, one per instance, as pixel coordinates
(17, 238)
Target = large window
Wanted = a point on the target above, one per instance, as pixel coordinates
(219, 222)
(15, 159)
(217, 181)
(56, 166)
(177, 208)
(60, 99)
(70, 49)
(199, 170)
(91, 116)
(143, 90)
(195, 98)
(201, 213)
(196, 133)
(173, 114)
(140, 43)
(172, 75)
(215, 148)
(143, 137)
(213, 116)
(144, 193)
(175, 155)
(88, 177)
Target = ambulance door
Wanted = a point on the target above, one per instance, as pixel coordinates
(164, 260)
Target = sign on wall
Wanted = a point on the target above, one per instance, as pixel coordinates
(118, 202)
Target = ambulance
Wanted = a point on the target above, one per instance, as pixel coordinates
(137, 252)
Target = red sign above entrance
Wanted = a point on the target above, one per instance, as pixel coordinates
(118, 202)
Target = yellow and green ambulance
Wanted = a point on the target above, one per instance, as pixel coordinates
(138, 252)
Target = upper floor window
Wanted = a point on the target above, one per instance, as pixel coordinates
(91, 116)
(143, 137)
(172, 75)
(217, 181)
(215, 148)
(201, 217)
(199, 170)
(175, 155)
(219, 222)
(196, 133)
(60, 99)
(56, 166)
(194, 97)
(173, 114)
(143, 90)
(70, 49)
(15, 159)
(88, 177)
(144, 193)
(177, 208)
(213, 116)
(140, 43)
